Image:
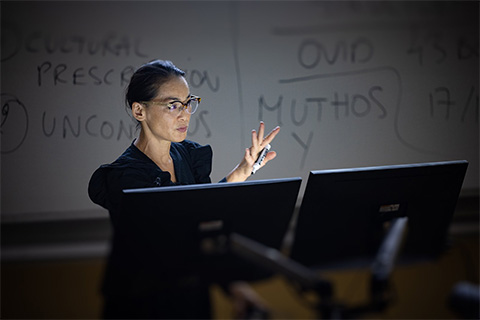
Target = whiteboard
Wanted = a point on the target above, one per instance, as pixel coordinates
(351, 84)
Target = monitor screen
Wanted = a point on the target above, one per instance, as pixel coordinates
(177, 218)
(345, 213)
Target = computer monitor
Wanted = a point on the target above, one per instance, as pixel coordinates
(176, 220)
(345, 213)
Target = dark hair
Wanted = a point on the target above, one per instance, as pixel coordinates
(148, 78)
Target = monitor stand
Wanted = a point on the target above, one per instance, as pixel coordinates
(310, 281)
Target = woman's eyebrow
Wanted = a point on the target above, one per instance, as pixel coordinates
(175, 98)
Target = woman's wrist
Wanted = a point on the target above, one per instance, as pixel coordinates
(238, 174)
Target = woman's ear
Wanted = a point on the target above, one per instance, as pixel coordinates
(138, 111)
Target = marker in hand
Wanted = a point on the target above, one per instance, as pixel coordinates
(260, 159)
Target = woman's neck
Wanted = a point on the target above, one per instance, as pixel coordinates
(158, 152)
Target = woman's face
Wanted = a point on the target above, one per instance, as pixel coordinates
(163, 123)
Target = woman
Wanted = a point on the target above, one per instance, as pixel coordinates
(134, 286)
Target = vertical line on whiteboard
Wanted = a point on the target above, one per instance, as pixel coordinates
(235, 26)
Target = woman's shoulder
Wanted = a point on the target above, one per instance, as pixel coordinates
(132, 169)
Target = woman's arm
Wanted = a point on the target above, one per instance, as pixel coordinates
(244, 169)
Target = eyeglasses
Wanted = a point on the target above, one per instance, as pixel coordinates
(175, 107)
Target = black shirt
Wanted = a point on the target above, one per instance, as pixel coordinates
(134, 169)
(136, 272)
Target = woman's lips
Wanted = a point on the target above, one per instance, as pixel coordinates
(182, 129)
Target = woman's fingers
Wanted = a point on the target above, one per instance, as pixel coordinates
(257, 136)
(254, 139)
(258, 140)
(270, 156)
(269, 138)
(261, 132)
